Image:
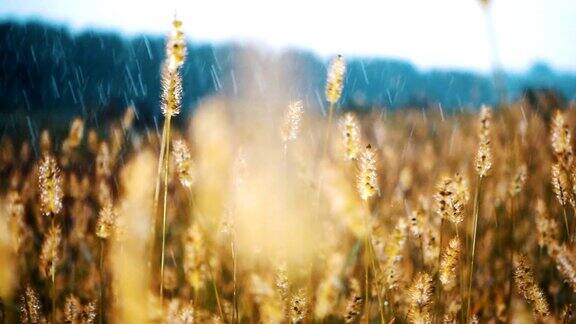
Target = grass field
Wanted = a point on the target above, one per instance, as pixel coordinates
(280, 214)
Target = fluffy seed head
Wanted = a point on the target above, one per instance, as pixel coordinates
(448, 264)
(350, 135)
(184, 163)
(461, 188)
(105, 223)
(367, 176)
(561, 140)
(50, 183)
(335, 79)
(72, 309)
(49, 255)
(354, 303)
(291, 123)
(30, 307)
(419, 299)
(298, 306)
(561, 184)
(527, 285)
(19, 231)
(484, 154)
(171, 92)
(171, 79)
(176, 46)
(449, 201)
(566, 264)
(76, 132)
(393, 254)
(89, 313)
(195, 258)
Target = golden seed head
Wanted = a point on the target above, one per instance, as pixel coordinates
(171, 91)
(561, 184)
(449, 263)
(291, 124)
(354, 303)
(367, 176)
(72, 309)
(393, 254)
(351, 135)
(461, 188)
(19, 231)
(561, 140)
(176, 46)
(335, 79)
(484, 154)
(298, 306)
(76, 132)
(184, 164)
(50, 183)
(527, 285)
(195, 258)
(449, 201)
(105, 223)
(186, 313)
(281, 280)
(30, 307)
(89, 313)
(49, 255)
(566, 264)
(171, 79)
(419, 298)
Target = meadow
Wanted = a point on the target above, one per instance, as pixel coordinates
(249, 214)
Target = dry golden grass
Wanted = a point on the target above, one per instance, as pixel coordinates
(274, 214)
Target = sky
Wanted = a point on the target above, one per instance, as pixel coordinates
(428, 33)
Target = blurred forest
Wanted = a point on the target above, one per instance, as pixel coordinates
(46, 69)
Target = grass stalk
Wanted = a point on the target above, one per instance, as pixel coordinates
(159, 172)
(102, 283)
(375, 270)
(165, 204)
(474, 235)
(53, 279)
(367, 260)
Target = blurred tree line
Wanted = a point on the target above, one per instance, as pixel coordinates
(48, 69)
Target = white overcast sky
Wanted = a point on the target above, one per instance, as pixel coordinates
(429, 33)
